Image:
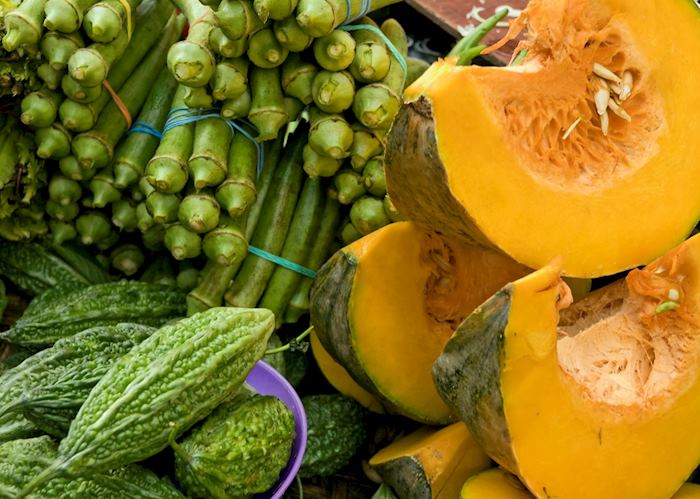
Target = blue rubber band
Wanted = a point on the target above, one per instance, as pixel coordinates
(283, 262)
(364, 10)
(392, 48)
(142, 127)
(183, 115)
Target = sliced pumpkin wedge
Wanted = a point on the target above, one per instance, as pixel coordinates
(586, 400)
(585, 150)
(688, 491)
(431, 462)
(495, 483)
(384, 307)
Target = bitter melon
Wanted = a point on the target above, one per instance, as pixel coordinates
(69, 360)
(160, 389)
(238, 451)
(34, 268)
(53, 399)
(96, 305)
(20, 460)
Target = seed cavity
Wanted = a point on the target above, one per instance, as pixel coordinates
(617, 109)
(621, 88)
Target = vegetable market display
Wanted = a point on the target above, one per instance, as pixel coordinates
(185, 185)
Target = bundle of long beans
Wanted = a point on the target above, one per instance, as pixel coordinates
(189, 146)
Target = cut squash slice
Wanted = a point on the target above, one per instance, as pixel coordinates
(584, 150)
(495, 483)
(384, 307)
(337, 376)
(430, 462)
(688, 491)
(586, 400)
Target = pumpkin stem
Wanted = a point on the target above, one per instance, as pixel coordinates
(294, 344)
(468, 47)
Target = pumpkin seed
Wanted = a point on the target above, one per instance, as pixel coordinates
(605, 123)
(602, 97)
(617, 109)
(605, 73)
(627, 82)
(674, 294)
(571, 128)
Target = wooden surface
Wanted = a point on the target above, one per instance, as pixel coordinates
(456, 16)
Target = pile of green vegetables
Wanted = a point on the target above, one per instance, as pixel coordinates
(105, 374)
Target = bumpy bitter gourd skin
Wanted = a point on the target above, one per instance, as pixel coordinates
(65, 359)
(162, 387)
(54, 397)
(97, 305)
(336, 430)
(21, 460)
(239, 450)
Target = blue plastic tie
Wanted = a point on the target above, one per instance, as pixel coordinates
(392, 48)
(364, 10)
(183, 115)
(283, 262)
(142, 127)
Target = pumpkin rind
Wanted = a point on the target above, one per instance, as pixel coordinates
(495, 483)
(544, 407)
(430, 463)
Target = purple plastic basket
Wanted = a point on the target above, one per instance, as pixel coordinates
(267, 381)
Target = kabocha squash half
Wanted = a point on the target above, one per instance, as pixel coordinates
(384, 307)
(337, 376)
(588, 400)
(430, 462)
(583, 150)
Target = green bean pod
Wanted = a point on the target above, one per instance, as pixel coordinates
(70, 167)
(273, 151)
(64, 190)
(238, 107)
(144, 219)
(333, 91)
(75, 90)
(391, 211)
(162, 207)
(127, 259)
(167, 169)
(367, 215)
(272, 227)
(267, 111)
(294, 107)
(214, 280)
(62, 232)
(237, 193)
(92, 227)
(39, 109)
(153, 238)
(416, 68)
(61, 212)
(330, 134)
(23, 25)
(159, 271)
(335, 51)
(90, 65)
(105, 19)
(320, 17)
(366, 145)
(265, 51)
(124, 215)
(50, 76)
(299, 303)
(191, 61)
(182, 243)
(103, 188)
(317, 165)
(290, 35)
(297, 246)
(374, 178)
(237, 18)
(207, 164)
(199, 212)
(226, 244)
(372, 58)
(57, 48)
(65, 16)
(187, 277)
(52, 141)
(137, 148)
(348, 233)
(297, 78)
(349, 185)
(224, 46)
(274, 9)
(197, 97)
(230, 78)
